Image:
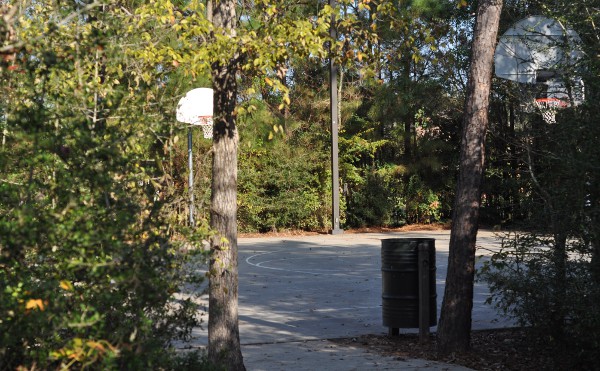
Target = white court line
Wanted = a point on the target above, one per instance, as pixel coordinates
(262, 253)
(324, 310)
(327, 310)
(258, 265)
(313, 272)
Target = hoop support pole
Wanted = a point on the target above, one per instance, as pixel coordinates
(191, 176)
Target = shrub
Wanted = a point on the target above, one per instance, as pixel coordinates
(375, 202)
(422, 203)
(282, 188)
(89, 266)
(557, 300)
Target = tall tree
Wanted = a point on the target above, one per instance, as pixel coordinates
(269, 34)
(455, 322)
(223, 332)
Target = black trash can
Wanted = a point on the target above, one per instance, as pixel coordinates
(400, 279)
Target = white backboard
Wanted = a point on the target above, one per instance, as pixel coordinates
(195, 105)
(533, 46)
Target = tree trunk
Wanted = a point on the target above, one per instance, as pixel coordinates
(223, 332)
(454, 329)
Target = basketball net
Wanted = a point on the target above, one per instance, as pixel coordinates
(206, 123)
(548, 107)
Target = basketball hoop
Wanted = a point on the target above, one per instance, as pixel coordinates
(196, 108)
(548, 107)
(206, 123)
(541, 55)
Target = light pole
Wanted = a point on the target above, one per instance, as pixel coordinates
(333, 95)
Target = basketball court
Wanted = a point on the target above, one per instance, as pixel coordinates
(329, 286)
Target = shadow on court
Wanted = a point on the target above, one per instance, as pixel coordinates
(320, 287)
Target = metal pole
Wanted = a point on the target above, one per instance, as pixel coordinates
(424, 268)
(335, 181)
(191, 176)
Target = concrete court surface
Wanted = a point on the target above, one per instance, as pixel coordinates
(297, 291)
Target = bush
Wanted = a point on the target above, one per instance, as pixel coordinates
(557, 300)
(89, 272)
(422, 203)
(89, 265)
(282, 187)
(375, 202)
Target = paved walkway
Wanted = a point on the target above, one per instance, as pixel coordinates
(294, 292)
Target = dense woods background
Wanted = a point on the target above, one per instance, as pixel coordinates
(93, 172)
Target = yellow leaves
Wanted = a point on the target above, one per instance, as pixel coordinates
(271, 11)
(66, 285)
(286, 101)
(462, 4)
(240, 111)
(95, 345)
(351, 54)
(150, 96)
(245, 110)
(81, 350)
(430, 39)
(269, 81)
(35, 304)
(133, 335)
(276, 129)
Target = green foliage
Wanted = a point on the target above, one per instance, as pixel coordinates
(384, 199)
(260, 47)
(423, 204)
(89, 270)
(376, 200)
(385, 188)
(281, 186)
(526, 284)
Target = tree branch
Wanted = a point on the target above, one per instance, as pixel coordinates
(8, 18)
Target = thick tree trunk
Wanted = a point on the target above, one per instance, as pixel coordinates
(223, 332)
(455, 323)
